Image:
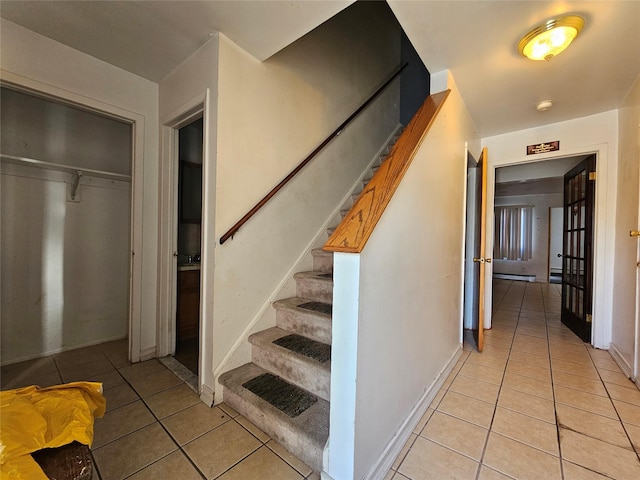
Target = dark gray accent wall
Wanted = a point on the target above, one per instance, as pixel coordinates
(414, 82)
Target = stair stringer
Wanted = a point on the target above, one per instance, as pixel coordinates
(265, 317)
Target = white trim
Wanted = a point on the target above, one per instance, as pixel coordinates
(394, 447)
(206, 394)
(148, 354)
(620, 360)
(604, 235)
(167, 233)
(137, 121)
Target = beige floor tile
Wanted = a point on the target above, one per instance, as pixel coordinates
(596, 426)
(119, 396)
(120, 422)
(86, 371)
(605, 363)
(539, 331)
(528, 385)
(634, 435)
(427, 460)
(494, 351)
(110, 379)
(171, 401)
(538, 344)
(628, 394)
(599, 456)
(253, 429)
(506, 334)
(575, 472)
(134, 452)
(583, 384)
(487, 392)
(458, 435)
(520, 461)
(436, 400)
(530, 359)
(260, 465)
(527, 404)
(79, 356)
(403, 453)
(487, 473)
(532, 371)
(487, 360)
(616, 378)
(41, 380)
(17, 372)
(423, 420)
(142, 369)
(582, 370)
(628, 412)
(497, 341)
(486, 374)
(582, 358)
(228, 410)
(585, 401)
(467, 408)
(526, 429)
(233, 443)
(556, 335)
(292, 460)
(193, 422)
(174, 466)
(154, 383)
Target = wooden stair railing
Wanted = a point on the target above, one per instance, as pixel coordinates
(356, 227)
(231, 232)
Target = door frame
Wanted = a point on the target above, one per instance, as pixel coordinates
(137, 122)
(168, 237)
(604, 234)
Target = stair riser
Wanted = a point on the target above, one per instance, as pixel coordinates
(323, 263)
(315, 289)
(311, 377)
(298, 445)
(306, 324)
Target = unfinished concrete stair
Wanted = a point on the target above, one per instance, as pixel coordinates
(302, 322)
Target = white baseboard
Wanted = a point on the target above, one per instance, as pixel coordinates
(206, 395)
(510, 276)
(619, 359)
(380, 469)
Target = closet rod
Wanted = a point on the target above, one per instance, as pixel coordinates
(65, 168)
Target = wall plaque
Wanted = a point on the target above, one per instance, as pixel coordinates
(543, 147)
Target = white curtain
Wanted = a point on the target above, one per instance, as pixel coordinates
(513, 234)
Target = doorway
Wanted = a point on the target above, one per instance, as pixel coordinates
(189, 235)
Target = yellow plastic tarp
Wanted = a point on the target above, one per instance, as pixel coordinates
(32, 418)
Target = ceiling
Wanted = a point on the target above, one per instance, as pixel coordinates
(475, 40)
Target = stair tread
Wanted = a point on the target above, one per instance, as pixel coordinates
(313, 423)
(295, 302)
(266, 339)
(322, 276)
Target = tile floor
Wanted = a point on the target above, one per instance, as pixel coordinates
(536, 404)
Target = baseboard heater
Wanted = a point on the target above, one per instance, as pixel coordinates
(512, 276)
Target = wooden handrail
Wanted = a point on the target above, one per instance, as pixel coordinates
(356, 227)
(231, 232)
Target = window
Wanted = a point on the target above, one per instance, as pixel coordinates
(513, 232)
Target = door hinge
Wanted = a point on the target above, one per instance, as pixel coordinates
(588, 318)
(592, 175)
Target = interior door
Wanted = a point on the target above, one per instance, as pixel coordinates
(480, 258)
(577, 248)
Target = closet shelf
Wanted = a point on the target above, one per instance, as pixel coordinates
(64, 168)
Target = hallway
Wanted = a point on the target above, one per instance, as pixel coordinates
(536, 404)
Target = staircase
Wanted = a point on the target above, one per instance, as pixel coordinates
(285, 391)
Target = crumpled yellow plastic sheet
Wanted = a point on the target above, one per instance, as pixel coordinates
(32, 418)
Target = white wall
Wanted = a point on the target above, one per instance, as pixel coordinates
(595, 133)
(271, 115)
(624, 339)
(37, 63)
(538, 265)
(398, 306)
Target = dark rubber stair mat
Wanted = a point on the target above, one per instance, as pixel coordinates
(318, 307)
(285, 397)
(305, 346)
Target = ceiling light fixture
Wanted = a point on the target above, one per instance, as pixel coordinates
(550, 38)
